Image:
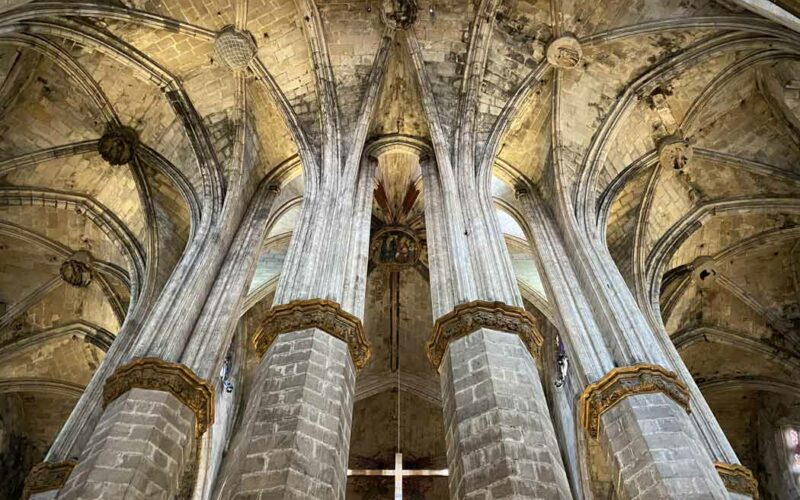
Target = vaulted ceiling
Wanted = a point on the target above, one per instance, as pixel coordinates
(725, 81)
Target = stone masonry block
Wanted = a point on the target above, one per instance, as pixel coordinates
(500, 440)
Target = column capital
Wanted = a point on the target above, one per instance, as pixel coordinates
(738, 479)
(471, 316)
(325, 315)
(158, 375)
(625, 381)
(47, 476)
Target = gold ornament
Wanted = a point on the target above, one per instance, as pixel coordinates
(325, 315)
(472, 316)
(738, 479)
(47, 476)
(158, 375)
(626, 381)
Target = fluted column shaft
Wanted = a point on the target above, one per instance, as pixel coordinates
(500, 440)
(649, 439)
(295, 435)
(146, 430)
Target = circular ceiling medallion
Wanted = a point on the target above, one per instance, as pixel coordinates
(399, 14)
(118, 145)
(235, 48)
(674, 152)
(394, 247)
(564, 52)
(77, 270)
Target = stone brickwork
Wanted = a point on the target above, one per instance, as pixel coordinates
(500, 440)
(295, 435)
(138, 450)
(655, 452)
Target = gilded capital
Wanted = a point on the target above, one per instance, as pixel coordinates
(472, 316)
(626, 381)
(47, 476)
(159, 375)
(738, 479)
(324, 315)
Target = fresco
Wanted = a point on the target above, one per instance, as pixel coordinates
(395, 247)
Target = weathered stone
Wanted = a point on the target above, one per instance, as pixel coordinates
(77, 270)
(296, 429)
(564, 52)
(674, 152)
(399, 14)
(140, 446)
(654, 450)
(500, 441)
(118, 145)
(704, 271)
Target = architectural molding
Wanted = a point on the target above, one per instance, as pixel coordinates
(324, 315)
(472, 316)
(747, 24)
(89, 332)
(677, 234)
(590, 170)
(738, 479)
(736, 383)
(40, 385)
(47, 476)
(148, 70)
(158, 375)
(625, 381)
(117, 232)
(110, 12)
(424, 388)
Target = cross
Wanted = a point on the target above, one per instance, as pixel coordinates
(398, 472)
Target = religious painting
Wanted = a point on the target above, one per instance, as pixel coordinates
(395, 247)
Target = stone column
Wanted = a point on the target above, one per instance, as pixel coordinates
(636, 407)
(155, 413)
(295, 435)
(500, 440)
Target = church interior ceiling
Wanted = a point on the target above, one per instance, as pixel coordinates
(677, 137)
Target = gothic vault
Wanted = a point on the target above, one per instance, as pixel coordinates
(420, 249)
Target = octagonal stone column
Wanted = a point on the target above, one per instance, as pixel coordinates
(633, 403)
(500, 439)
(295, 436)
(155, 413)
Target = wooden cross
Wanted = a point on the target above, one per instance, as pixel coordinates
(398, 472)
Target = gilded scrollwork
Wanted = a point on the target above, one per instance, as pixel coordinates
(738, 479)
(47, 476)
(626, 381)
(159, 375)
(325, 315)
(472, 316)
